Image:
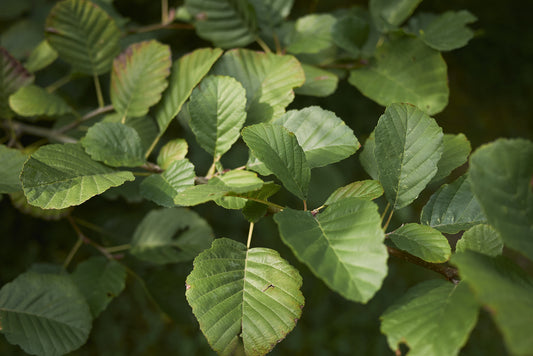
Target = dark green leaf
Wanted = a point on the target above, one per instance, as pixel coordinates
(422, 241)
(41, 57)
(312, 34)
(11, 161)
(456, 149)
(255, 210)
(12, 77)
(388, 14)
(318, 82)
(351, 33)
(481, 238)
(271, 13)
(368, 157)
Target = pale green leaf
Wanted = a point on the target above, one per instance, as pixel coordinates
(234, 180)
(323, 136)
(269, 80)
(368, 157)
(506, 290)
(453, 208)
(434, 318)
(59, 176)
(11, 161)
(351, 33)
(31, 100)
(83, 35)
(163, 188)
(405, 70)
(115, 144)
(186, 73)
(278, 149)
(343, 245)
(501, 176)
(139, 77)
(173, 150)
(227, 23)
(481, 238)
(99, 280)
(366, 189)
(408, 149)
(318, 82)
(456, 149)
(312, 34)
(388, 14)
(170, 236)
(218, 110)
(45, 314)
(422, 241)
(41, 57)
(12, 77)
(244, 295)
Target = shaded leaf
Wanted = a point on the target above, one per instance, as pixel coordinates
(173, 150)
(11, 161)
(312, 34)
(257, 298)
(19, 201)
(255, 210)
(422, 241)
(456, 149)
(271, 13)
(343, 245)
(318, 82)
(41, 57)
(388, 14)
(351, 33)
(368, 157)
(144, 125)
(481, 238)
(12, 77)
(32, 100)
(366, 189)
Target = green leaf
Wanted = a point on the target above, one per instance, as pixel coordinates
(324, 137)
(444, 32)
(32, 100)
(170, 236)
(44, 314)
(12, 77)
(144, 125)
(365, 189)
(11, 161)
(186, 73)
(59, 176)
(388, 14)
(351, 33)
(99, 280)
(271, 13)
(115, 144)
(269, 80)
(408, 149)
(456, 149)
(422, 241)
(173, 150)
(139, 77)
(312, 34)
(368, 157)
(343, 245)
(500, 175)
(405, 70)
(434, 318)
(257, 297)
(19, 201)
(278, 149)
(453, 208)
(218, 110)
(227, 23)
(163, 188)
(41, 57)
(253, 209)
(318, 82)
(506, 290)
(481, 238)
(83, 35)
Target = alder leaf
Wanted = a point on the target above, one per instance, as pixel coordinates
(312, 34)
(271, 13)
(456, 149)
(83, 35)
(139, 77)
(58, 176)
(318, 82)
(408, 149)
(32, 100)
(12, 77)
(343, 245)
(366, 189)
(11, 161)
(368, 157)
(351, 33)
(388, 14)
(422, 241)
(253, 209)
(481, 238)
(173, 150)
(41, 57)
(244, 295)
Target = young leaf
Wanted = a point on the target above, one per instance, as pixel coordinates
(170, 236)
(318, 82)
(506, 290)
(456, 149)
(422, 241)
(32, 100)
(257, 297)
(453, 208)
(368, 157)
(351, 33)
(163, 188)
(343, 246)
(269, 80)
(115, 144)
(139, 77)
(59, 176)
(227, 23)
(186, 73)
(83, 35)
(405, 70)
(11, 161)
(44, 314)
(41, 57)
(12, 77)
(324, 137)
(366, 189)
(501, 175)
(434, 318)
(278, 149)
(99, 281)
(312, 34)
(218, 110)
(481, 238)
(408, 149)
(388, 14)
(173, 150)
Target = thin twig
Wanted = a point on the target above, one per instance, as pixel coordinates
(20, 127)
(87, 240)
(73, 252)
(119, 248)
(158, 26)
(263, 45)
(84, 118)
(58, 83)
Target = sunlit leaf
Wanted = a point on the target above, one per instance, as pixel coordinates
(41, 57)
(481, 238)
(422, 241)
(173, 150)
(12, 77)
(32, 100)
(456, 149)
(11, 161)
(367, 189)
(318, 82)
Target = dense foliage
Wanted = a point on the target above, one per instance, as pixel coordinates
(181, 194)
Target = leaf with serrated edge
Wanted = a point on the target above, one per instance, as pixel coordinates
(257, 297)
(343, 245)
(434, 318)
(11, 161)
(481, 238)
(172, 151)
(59, 176)
(367, 189)
(32, 100)
(408, 149)
(422, 241)
(12, 77)
(456, 149)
